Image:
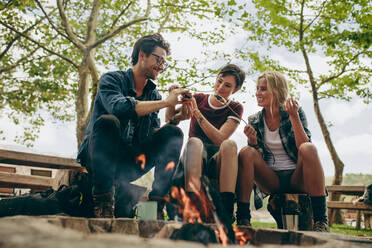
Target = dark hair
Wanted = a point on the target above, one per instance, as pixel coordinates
(235, 71)
(148, 44)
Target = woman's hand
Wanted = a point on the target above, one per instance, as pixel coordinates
(185, 111)
(194, 106)
(251, 134)
(291, 107)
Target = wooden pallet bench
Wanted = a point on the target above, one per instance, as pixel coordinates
(359, 206)
(16, 158)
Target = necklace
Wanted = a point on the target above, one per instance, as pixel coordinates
(272, 123)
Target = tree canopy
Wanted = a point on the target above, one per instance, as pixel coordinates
(336, 32)
(52, 53)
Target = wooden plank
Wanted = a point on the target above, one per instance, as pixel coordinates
(9, 191)
(11, 180)
(348, 205)
(347, 190)
(37, 160)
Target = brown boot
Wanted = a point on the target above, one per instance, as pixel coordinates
(103, 205)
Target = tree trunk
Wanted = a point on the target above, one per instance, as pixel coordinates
(335, 216)
(82, 104)
(88, 76)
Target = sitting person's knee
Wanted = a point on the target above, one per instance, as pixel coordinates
(107, 122)
(228, 146)
(172, 131)
(194, 142)
(307, 149)
(247, 152)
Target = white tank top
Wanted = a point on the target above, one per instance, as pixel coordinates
(274, 143)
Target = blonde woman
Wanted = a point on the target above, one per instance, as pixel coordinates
(280, 157)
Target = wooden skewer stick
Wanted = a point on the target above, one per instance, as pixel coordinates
(222, 100)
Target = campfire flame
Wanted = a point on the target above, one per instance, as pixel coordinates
(141, 158)
(191, 214)
(241, 237)
(170, 166)
(188, 210)
(222, 235)
(187, 207)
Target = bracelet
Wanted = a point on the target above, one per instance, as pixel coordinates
(255, 146)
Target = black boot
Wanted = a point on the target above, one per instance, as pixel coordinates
(319, 207)
(228, 203)
(103, 205)
(243, 214)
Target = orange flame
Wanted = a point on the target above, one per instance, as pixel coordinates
(188, 210)
(191, 214)
(141, 158)
(241, 237)
(205, 205)
(170, 166)
(222, 235)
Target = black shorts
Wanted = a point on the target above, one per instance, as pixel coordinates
(210, 169)
(284, 177)
(209, 156)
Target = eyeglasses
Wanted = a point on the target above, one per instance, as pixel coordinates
(160, 61)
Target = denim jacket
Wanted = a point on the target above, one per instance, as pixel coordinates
(116, 96)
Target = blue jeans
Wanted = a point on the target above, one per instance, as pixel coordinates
(111, 161)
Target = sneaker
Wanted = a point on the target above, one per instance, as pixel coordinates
(321, 226)
(244, 222)
(103, 205)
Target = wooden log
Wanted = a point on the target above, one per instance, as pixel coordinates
(348, 205)
(37, 160)
(11, 180)
(346, 190)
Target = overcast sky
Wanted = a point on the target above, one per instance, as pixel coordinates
(351, 131)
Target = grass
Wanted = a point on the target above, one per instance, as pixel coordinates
(341, 229)
(349, 230)
(264, 224)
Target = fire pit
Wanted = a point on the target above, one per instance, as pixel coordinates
(62, 231)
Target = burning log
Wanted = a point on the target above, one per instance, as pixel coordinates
(195, 232)
(197, 207)
(222, 220)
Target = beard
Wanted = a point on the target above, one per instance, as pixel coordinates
(150, 74)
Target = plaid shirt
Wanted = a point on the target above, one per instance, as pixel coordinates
(285, 131)
(286, 135)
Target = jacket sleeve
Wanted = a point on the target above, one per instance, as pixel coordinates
(303, 119)
(155, 121)
(112, 97)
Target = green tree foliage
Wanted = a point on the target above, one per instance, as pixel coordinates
(53, 52)
(338, 31)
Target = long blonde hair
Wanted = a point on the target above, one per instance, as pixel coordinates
(277, 86)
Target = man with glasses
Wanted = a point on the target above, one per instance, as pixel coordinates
(125, 126)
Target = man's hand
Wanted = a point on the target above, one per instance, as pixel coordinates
(251, 134)
(174, 93)
(291, 107)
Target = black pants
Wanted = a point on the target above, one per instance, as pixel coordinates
(110, 161)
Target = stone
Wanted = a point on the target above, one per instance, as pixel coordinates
(62, 232)
(125, 226)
